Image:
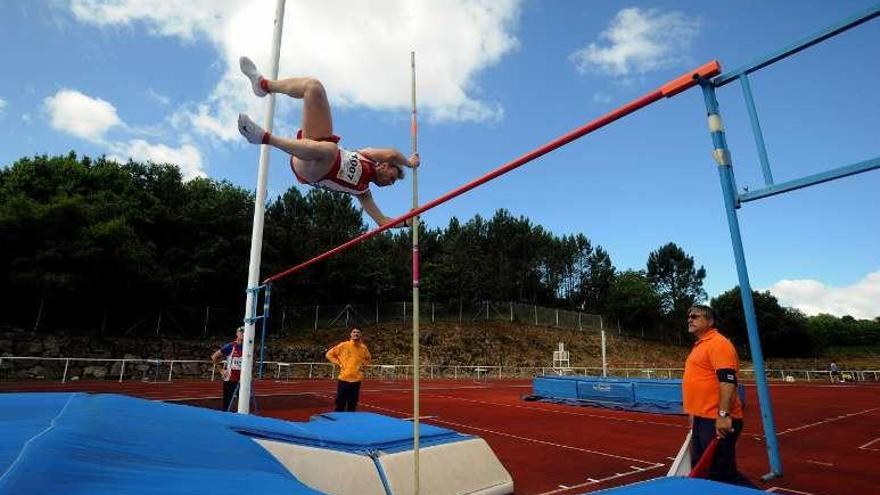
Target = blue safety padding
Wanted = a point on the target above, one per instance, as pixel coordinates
(551, 387)
(612, 392)
(630, 394)
(349, 432)
(659, 395)
(112, 444)
(76, 443)
(679, 486)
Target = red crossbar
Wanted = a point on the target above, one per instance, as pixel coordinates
(669, 89)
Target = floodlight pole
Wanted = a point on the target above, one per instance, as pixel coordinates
(247, 358)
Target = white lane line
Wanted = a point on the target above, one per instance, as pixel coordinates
(826, 421)
(776, 489)
(819, 462)
(650, 464)
(556, 411)
(593, 481)
(865, 447)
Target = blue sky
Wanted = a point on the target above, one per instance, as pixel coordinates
(154, 79)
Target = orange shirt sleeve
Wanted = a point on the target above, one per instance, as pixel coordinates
(333, 354)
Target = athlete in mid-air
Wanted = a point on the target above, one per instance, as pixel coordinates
(315, 156)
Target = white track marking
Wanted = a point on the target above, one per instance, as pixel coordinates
(865, 447)
(593, 481)
(556, 411)
(651, 464)
(826, 421)
(775, 489)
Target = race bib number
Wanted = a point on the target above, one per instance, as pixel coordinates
(235, 363)
(350, 169)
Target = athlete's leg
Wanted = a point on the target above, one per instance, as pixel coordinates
(312, 160)
(314, 157)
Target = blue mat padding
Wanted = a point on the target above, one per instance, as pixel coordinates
(76, 443)
(656, 396)
(679, 486)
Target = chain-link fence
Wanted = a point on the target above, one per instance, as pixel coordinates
(293, 318)
(211, 321)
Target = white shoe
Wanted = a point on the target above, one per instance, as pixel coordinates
(249, 69)
(250, 130)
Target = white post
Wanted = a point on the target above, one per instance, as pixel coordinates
(317, 306)
(604, 361)
(207, 316)
(66, 365)
(511, 311)
(39, 314)
(122, 371)
(170, 370)
(247, 358)
(283, 318)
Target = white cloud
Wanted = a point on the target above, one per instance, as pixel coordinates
(157, 97)
(83, 116)
(182, 19)
(3, 105)
(859, 300)
(360, 50)
(187, 156)
(639, 41)
(89, 118)
(26, 118)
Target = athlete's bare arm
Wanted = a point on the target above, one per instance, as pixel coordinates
(390, 155)
(369, 206)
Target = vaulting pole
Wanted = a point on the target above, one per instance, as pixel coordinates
(415, 283)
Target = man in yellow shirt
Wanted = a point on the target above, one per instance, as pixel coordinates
(350, 356)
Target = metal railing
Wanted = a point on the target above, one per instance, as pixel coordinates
(68, 369)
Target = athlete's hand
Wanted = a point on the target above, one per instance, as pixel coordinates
(399, 225)
(414, 160)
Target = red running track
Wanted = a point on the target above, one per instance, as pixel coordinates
(829, 435)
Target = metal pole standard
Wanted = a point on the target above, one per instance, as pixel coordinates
(668, 90)
(725, 173)
(415, 283)
(247, 358)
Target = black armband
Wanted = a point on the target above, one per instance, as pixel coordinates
(726, 375)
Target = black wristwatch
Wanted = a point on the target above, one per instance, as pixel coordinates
(722, 413)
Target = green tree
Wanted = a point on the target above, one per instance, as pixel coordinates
(678, 282)
(633, 302)
(782, 331)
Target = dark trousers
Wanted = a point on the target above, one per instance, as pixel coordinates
(347, 396)
(724, 464)
(228, 391)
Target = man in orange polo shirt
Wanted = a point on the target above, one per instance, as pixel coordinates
(710, 396)
(350, 356)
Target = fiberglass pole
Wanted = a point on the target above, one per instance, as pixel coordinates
(415, 284)
(247, 357)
